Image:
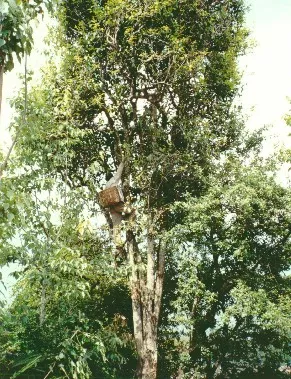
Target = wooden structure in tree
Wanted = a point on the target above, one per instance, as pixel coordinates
(110, 197)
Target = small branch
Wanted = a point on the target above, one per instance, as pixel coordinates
(159, 279)
(50, 370)
(116, 135)
(6, 160)
(1, 83)
(42, 305)
(135, 293)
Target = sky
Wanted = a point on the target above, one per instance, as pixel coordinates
(267, 69)
(266, 79)
(12, 82)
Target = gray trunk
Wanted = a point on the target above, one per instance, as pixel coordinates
(146, 283)
(146, 293)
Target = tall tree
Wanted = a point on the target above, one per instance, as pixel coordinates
(233, 283)
(147, 87)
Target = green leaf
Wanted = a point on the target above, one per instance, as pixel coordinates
(28, 363)
(10, 65)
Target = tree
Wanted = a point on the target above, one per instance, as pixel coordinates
(59, 323)
(16, 31)
(151, 86)
(147, 88)
(233, 286)
(16, 39)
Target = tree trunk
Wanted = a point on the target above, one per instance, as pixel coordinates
(2, 60)
(146, 283)
(1, 86)
(146, 293)
(149, 359)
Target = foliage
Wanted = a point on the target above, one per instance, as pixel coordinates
(59, 321)
(152, 85)
(110, 113)
(136, 84)
(15, 28)
(233, 289)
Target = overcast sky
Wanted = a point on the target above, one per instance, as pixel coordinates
(266, 80)
(267, 77)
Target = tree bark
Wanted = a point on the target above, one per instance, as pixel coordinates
(146, 293)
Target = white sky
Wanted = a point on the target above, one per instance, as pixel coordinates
(267, 77)
(267, 74)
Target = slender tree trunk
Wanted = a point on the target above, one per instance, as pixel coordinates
(42, 304)
(1, 86)
(146, 293)
(6, 160)
(2, 56)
